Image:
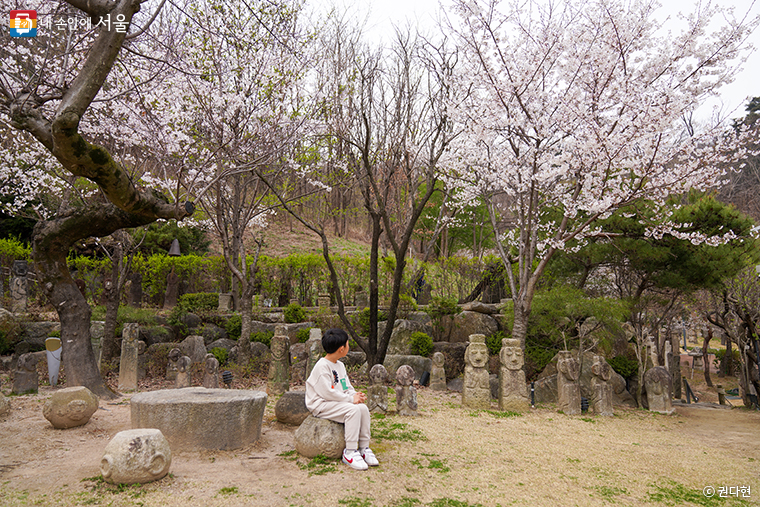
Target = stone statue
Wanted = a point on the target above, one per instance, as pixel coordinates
(568, 387)
(314, 348)
(171, 367)
(184, 376)
(129, 353)
(19, 286)
(438, 373)
(377, 393)
(406, 394)
(211, 373)
(279, 365)
(136, 456)
(601, 390)
(476, 391)
(659, 386)
(25, 379)
(513, 394)
(70, 407)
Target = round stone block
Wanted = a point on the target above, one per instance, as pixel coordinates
(291, 408)
(196, 418)
(320, 436)
(136, 456)
(70, 407)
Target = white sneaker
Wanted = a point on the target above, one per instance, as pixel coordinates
(369, 457)
(354, 460)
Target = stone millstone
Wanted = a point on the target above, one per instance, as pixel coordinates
(195, 418)
(318, 436)
(291, 408)
(70, 407)
(136, 456)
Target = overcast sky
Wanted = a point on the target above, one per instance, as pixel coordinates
(381, 15)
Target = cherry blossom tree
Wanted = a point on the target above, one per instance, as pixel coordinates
(576, 106)
(50, 87)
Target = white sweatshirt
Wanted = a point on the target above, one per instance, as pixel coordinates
(328, 382)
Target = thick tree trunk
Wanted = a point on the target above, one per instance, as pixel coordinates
(374, 291)
(705, 359)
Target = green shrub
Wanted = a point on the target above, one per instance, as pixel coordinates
(234, 326)
(493, 342)
(302, 335)
(264, 337)
(220, 353)
(624, 366)
(421, 344)
(10, 334)
(440, 306)
(294, 313)
(199, 301)
(361, 320)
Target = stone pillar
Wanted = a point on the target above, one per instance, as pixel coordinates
(568, 387)
(184, 375)
(25, 379)
(377, 393)
(19, 286)
(323, 300)
(225, 302)
(659, 387)
(438, 373)
(279, 365)
(476, 391)
(128, 361)
(135, 290)
(211, 373)
(172, 290)
(314, 348)
(675, 367)
(406, 394)
(601, 390)
(361, 301)
(513, 393)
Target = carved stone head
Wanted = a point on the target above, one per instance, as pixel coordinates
(476, 354)
(378, 375)
(511, 354)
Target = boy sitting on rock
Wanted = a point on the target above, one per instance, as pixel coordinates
(330, 395)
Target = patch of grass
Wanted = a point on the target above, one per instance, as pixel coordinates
(609, 492)
(433, 464)
(588, 419)
(384, 429)
(289, 454)
(450, 502)
(230, 490)
(678, 494)
(356, 502)
(319, 465)
(405, 502)
(503, 414)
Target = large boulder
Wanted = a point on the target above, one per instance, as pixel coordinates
(70, 407)
(317, 436)
(156, 334)
(212, 333)
(194, 347)
(195, 418)
(291, 408)
(136, 456)
(457, 329)
(419, 364)
(477, 306)
(190, 320)
(224, 343)
(35, 333)
(354, 358)
(400, 342)
(546, 389)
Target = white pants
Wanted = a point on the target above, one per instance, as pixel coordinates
(355, 417)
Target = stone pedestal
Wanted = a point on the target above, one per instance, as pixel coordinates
(197, 418)
(136, 456)
(128, 361)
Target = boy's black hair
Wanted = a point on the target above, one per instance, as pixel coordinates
(334, 339)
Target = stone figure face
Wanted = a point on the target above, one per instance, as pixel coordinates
(477, 355)
(511, 356)
(184, 363)
(20, 268)
(174, 355)
(212, 364)
(405, 375)
(279, 349)
(438, 359)
(601, 369)
(378, 375)
(27, 362)
(568, 366)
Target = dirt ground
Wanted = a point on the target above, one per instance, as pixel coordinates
(447, 456)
